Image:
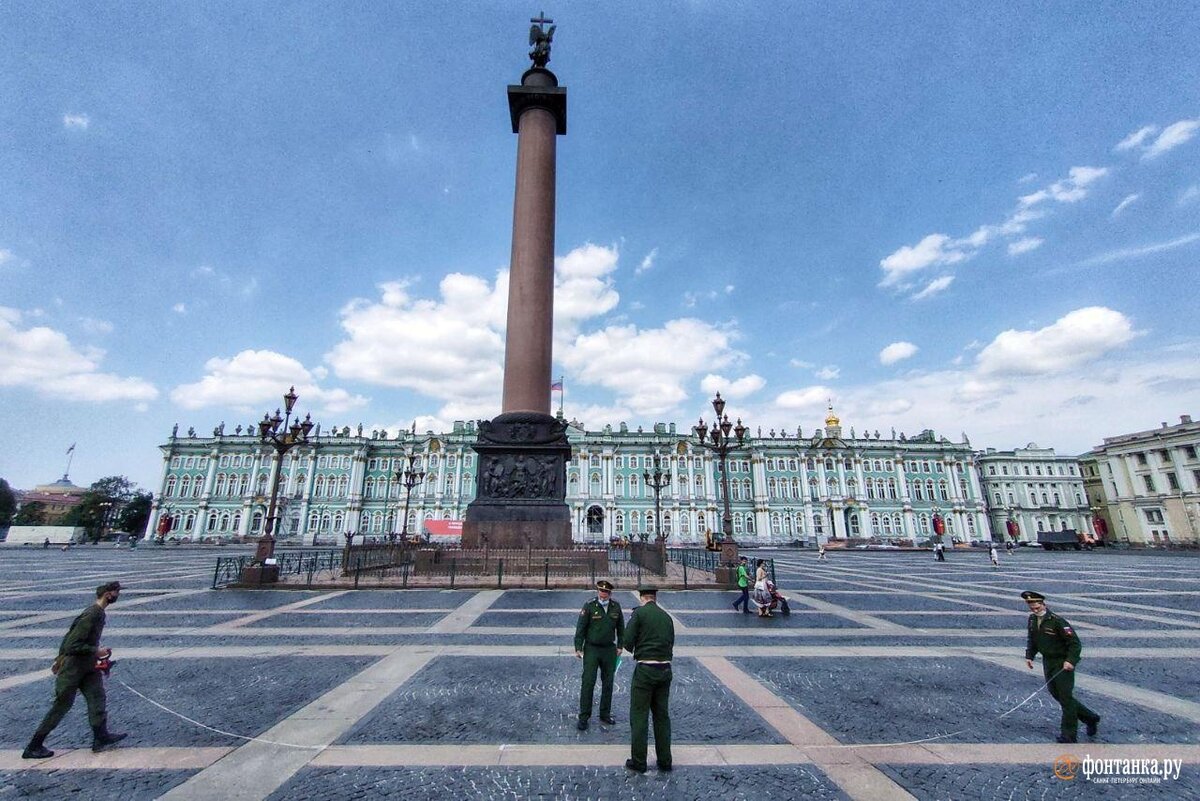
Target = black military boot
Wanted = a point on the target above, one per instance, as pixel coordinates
(1093, 726)
(37, 749)
(103, 739)
(1066, 738)
(581, 724)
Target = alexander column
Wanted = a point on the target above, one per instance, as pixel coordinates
(520, 497)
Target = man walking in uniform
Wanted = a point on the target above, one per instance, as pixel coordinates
(77, 670)
(650, 637)
(598, 643)
(1053, 637)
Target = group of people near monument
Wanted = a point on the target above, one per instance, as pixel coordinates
(601, 634)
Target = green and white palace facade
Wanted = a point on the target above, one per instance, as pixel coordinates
(783, 487)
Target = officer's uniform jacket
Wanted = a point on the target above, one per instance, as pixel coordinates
(78, 648)
(650, 636)
(1053, 638)
(597, 627)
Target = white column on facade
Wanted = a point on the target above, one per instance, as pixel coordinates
(156, 503)
(211, 476)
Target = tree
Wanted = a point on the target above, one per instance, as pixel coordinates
(31, 514)
(8, 503)
(136, 513)
(102, 506)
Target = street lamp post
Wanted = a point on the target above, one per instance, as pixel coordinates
(717, 440)
(410, 478)
(657, 481)
(105, 512)
(282, 434)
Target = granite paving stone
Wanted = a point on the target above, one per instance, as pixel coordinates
(960, 620)
(243, 696)
(533, 619)
(909, 698)
(348, 620)
(394, 599)
(447, 702)
(729, 783)
(801, 618)
(89, 785)
(1024, 783)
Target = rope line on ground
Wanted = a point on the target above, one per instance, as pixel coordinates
(216, 730)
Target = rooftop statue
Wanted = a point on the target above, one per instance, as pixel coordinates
(540, 39)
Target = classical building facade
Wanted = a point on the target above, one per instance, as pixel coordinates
(1032, 489)
(1146, 485)
(57, 499)
(783, 487)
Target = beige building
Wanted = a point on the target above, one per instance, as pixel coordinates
(1145, 486)
(58, 498)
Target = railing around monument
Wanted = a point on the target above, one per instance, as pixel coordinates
(314, 565)
(695, 558)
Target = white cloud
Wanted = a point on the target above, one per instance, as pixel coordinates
(6, 256)
(1135, 139)
(829, 372)
(690, 299)
(1075, 339)
(255, 380)
(1145, 250)
(931, 250)
(803, 365)
(452, 348)
(732, 390)
(242, 285)
(179, 308)
(1126, 203)
(729, 289)
(808, 399)
(95, 327)
(45, 361)
(648, 368)
(934, 287)
(647, 262)
(1189, 194)
(1024, 245)
(1071, 189)
(897, 351)
(78, 122)
(1027, 178)
(942, 250)
(1172, 137)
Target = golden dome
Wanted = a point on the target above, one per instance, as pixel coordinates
(832, 419)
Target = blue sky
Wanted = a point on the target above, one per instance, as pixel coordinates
(980, 220)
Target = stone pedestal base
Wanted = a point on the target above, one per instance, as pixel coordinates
(727, 576)
(729, 552)
(520, 486)
(260, 574)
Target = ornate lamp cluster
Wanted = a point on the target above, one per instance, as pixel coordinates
(718, 440)
(657, 481)
(282, 433)
(409, 478)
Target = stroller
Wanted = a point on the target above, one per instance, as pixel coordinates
(772, 600)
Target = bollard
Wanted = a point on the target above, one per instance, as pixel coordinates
(453, 565)
(546, 579)
(685, 585)
(404, 571)
(357, 573)
(500, 573)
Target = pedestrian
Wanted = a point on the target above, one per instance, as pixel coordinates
(821, 552)
(939, 551)
(81, 661)
(1009, 547)
(994, 555)
(46, 544)
(743, 582)
(598, 643)
(1052, 636)
(650, 637)
(762, 592)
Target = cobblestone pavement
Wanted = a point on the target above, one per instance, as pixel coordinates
(462, 694)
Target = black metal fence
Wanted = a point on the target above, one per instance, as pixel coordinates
(314, 564)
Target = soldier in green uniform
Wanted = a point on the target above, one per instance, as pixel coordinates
(1052, 636)
(77, 670)
(650, 637)
(598, 636)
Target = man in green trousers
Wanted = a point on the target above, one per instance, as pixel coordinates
(598, 634)
(78, 667)
(1054, 638)
(650, 637)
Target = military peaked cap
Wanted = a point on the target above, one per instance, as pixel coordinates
(1030, 595)
(605, 585)
(647, 590)
(112, 586)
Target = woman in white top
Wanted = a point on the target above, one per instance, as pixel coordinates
(762, 590)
